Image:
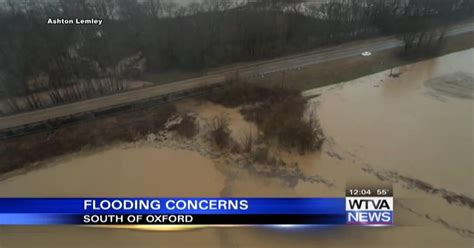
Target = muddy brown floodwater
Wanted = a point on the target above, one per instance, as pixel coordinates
(420, 124)
(412, 131)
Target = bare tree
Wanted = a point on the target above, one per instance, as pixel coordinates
(219, 132)
(247, 139)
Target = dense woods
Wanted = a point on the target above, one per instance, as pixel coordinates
(53, 64)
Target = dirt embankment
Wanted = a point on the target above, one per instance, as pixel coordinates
(23, 152)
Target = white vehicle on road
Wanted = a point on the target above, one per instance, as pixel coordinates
(366, 54)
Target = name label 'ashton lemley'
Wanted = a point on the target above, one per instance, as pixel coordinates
(75, 21)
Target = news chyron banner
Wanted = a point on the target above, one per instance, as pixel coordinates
(359, 207)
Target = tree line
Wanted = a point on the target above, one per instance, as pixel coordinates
(36, 57)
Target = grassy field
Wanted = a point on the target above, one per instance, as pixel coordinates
(342, 70)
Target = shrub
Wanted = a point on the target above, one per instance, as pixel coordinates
(188, 127)
(278, 113)
(219, 132)
(300, 134)
(247, 140)
(260, 155)
(284, 121)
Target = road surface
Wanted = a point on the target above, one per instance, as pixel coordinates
(250, 70)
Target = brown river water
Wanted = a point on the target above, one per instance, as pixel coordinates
(411, 131)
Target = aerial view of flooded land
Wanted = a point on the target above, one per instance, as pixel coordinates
(260, 122)
(425, 114)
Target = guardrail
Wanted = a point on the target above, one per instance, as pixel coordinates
(77, 119)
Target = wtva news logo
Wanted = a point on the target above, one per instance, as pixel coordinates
(369, 210)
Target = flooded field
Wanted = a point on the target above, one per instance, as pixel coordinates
(419, 124)
(410, 130)
(121, 172)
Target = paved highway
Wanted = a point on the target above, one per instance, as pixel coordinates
(250, 70)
